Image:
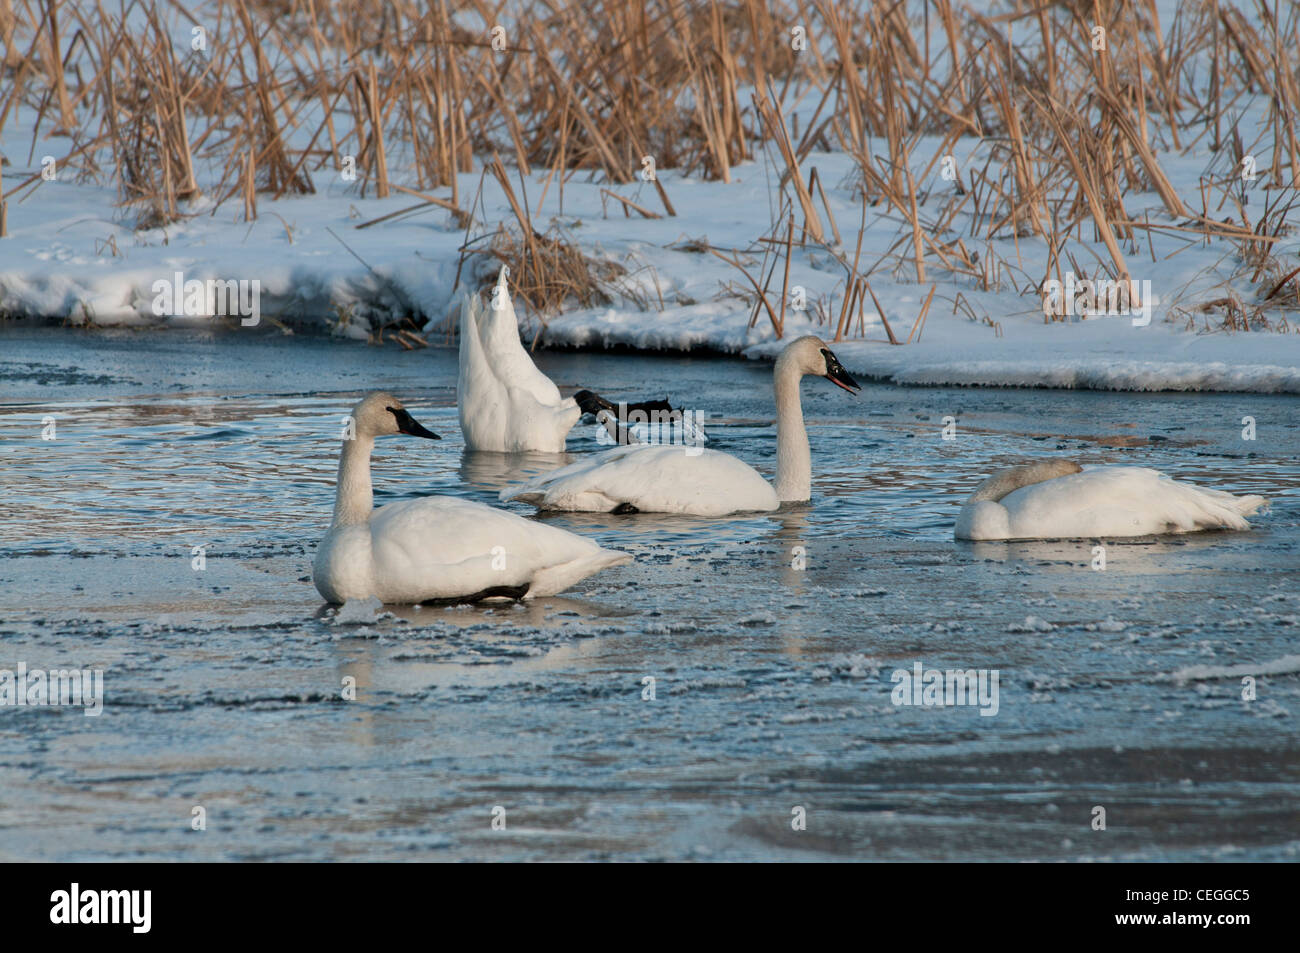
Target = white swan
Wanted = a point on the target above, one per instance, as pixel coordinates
(506, 404)
(436, 547)
(692, 480)
(1058, 499)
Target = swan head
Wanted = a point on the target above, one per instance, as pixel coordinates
(811, 355)
(381, 413)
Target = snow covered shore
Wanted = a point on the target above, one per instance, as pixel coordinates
(68, 259)
(337, 263)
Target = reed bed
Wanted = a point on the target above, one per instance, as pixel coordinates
(186, 109)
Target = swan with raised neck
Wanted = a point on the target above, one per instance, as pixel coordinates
(435, 547)
(668, 478)
(378, 414)
(806, 355)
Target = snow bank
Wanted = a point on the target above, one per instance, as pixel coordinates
(71, 257)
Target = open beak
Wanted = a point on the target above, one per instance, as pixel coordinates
(838, 376)
(409, 425)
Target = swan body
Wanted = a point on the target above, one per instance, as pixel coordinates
(1058, 499)
(506, 404)
(691, 480)
(436, 547)
(659, 478)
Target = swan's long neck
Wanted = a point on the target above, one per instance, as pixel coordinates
(793, 459)
(355, 499)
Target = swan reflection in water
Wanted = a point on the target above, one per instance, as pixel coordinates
(495, 471)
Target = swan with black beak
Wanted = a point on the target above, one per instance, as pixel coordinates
(669, 478)
(436, 547)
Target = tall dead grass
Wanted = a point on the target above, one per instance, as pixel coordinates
(282, 91)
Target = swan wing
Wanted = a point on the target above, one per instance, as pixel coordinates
(654, 479)
(442, 547)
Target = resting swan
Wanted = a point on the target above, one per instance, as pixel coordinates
(506, 404)
(436, 547)
(1058, 499)
(671, 478)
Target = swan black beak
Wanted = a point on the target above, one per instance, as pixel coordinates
(409, 425)
(838, 376)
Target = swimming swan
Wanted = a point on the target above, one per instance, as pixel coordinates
(1058, 499)
(436, 547)
(506, 404)
(669, 478)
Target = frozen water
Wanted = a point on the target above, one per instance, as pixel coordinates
(771, 685)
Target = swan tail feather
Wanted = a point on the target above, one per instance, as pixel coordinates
(555, 579)
(1217, 509)
(1251, 504)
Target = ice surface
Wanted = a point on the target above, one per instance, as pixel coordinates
(222, 686)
